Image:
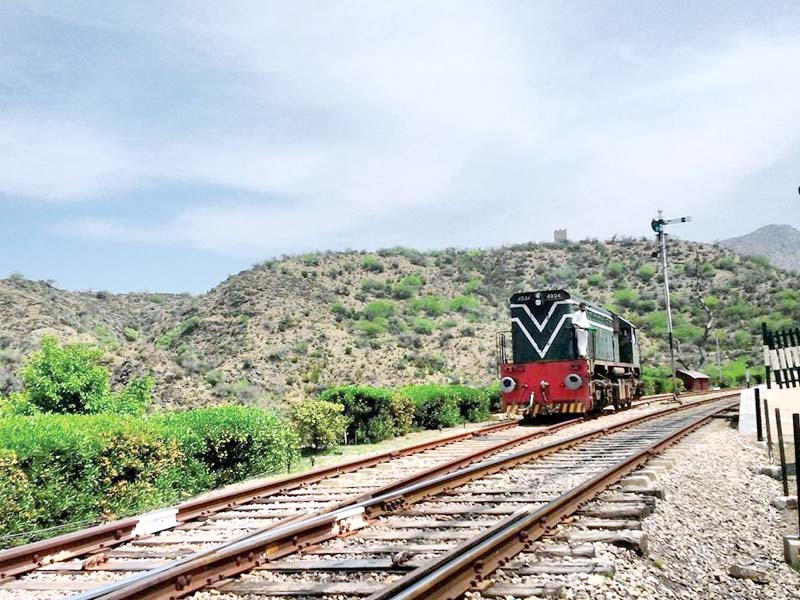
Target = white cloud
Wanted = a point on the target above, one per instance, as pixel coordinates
(53, 159)
(324, 121)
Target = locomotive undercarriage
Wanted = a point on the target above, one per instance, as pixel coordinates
(614, 385)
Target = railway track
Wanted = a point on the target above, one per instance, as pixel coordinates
(337, 510)
(217, 517)
(26, 558)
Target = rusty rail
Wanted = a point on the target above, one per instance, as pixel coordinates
(211, 566)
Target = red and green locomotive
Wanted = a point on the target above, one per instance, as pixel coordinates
(547, 375)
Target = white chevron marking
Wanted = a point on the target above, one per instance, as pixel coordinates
(541, 351)
(543, 324)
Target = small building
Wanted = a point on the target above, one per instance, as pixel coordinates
(560, 235)
(693, 381)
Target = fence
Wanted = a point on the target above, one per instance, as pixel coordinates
(781, 357)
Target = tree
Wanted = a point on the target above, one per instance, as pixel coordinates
(71, 379)
(320, 424)
(66, 379)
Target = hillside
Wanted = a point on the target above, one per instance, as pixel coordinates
(290, 327)
(780, 244)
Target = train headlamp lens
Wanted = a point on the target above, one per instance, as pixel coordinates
(507, 384)
(573, 381)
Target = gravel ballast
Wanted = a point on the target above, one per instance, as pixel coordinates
(718, 517)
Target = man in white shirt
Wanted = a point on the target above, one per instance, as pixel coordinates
(580, 321)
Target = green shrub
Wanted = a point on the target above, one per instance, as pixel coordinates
(375, 413)
(370, 263)
(17, 509)
(185, 327)
(407, 287)
(433, 306)
(423, 326)
(133, 399)
(434, 406)
(57, 469)
(472, 285)
(79, 467)
(105, 338)
(646, 272)
(341, 310)
(320, 424)
(371, 286)
(233, 442)
(214, 377)
(17, 404)
(495, 398)
(438, 406)
(734, 373)
(596, 280)
(656, 380)
(656, 321)
(130, 334)
(726, 263)
(626, 297)
(688, 332)
(474, 403)
(615, 270)
(413, 280)
(743, 340)
(401, 292)
(433, 363)
(372, 328)
(402, 410)
(379, 308)
(738, 309)
(66, 379)
(464, 304)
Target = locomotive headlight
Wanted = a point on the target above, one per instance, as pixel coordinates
(573, 381)
(507, 385)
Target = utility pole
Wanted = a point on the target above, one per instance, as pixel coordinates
(658, 226)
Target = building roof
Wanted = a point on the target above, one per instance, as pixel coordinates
(692, 374)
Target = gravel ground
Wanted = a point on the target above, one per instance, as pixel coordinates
(718, 515)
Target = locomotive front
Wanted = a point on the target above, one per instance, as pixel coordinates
(546, 375)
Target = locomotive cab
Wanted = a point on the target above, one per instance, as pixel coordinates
(547, 376)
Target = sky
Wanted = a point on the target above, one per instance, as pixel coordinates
(165, 145)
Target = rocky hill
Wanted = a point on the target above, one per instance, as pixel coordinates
(287, 328)
(780, 244)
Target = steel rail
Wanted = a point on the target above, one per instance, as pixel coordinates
(465, 566)
(28, 557)
(205, 568)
